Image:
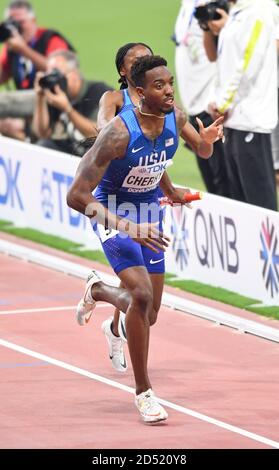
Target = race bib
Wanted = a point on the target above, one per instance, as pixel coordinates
(145, 178)
(105, 233)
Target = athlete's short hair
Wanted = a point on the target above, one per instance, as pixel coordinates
(142, 65)
(120, 57)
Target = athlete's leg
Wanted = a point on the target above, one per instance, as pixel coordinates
(116, 315)
(155, 265)
(114, 328)
(121, 253)
(157, 281)
(137, 302)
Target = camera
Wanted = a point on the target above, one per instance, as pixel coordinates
(207, 12)
(50, 80)
(7, 28)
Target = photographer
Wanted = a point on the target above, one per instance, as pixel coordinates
(246, 94)
(25, 50)
(27, 46)
(66, 104)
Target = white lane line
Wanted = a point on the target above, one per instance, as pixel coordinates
(112, 383)
(45, 309)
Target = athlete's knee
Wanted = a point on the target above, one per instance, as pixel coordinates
(142, 297)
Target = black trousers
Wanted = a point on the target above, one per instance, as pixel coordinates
(213, 170)
(249, 164)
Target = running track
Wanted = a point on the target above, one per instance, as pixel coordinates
(58, 389)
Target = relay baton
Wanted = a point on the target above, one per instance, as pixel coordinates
(187, 197)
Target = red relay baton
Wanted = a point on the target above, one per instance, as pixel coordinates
(188, 197)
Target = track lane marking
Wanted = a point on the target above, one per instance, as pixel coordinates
(125, 388)
(45, 309)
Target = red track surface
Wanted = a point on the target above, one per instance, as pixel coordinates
(213, 370)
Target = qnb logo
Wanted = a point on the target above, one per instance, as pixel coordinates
(46, 195)
(180, 235)
(216, 242)
(9, 184)
(270, 257)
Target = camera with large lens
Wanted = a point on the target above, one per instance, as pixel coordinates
(7, 28)
(51, 79)
(208, 12)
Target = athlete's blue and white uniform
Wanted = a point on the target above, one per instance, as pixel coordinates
(130, 182)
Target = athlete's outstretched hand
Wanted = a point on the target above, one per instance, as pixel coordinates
(213, 132)
(148, 234)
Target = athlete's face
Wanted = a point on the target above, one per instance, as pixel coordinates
(132, 55)
(158, 90)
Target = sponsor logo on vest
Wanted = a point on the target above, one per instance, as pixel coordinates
(137, 150)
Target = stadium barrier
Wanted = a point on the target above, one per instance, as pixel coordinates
(219, 241)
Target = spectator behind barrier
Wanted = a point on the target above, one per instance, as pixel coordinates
(66, 104)
(246, 94)
(26, 47)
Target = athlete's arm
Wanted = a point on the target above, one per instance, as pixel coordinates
(109, 105)
(201, 142)
(111, 143)
(176, 195)
(166, 185)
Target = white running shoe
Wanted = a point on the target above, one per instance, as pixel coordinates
(87, 304)
(122, 326)
(150, 410)
(116, 347)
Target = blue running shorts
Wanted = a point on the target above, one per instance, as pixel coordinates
(123, 252)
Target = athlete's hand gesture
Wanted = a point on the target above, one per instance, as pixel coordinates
(213, 132)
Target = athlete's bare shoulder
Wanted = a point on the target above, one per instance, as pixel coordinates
(109, 106)
(112, 97)
(110, 144)
(112, 140)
